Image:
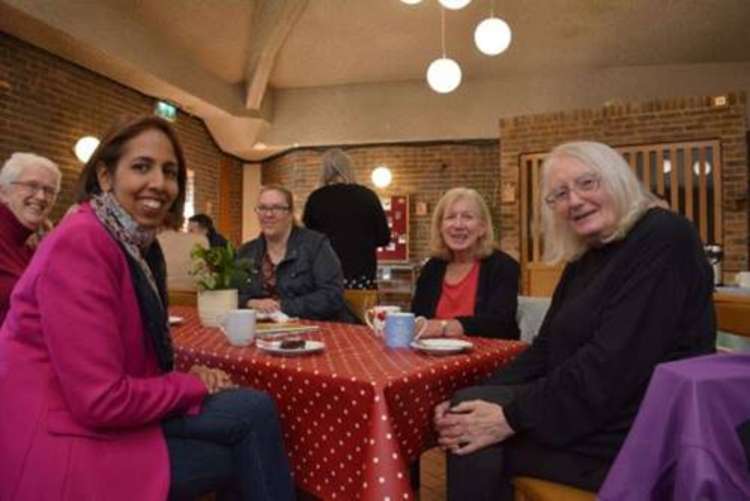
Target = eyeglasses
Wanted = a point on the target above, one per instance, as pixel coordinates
(33, 188)
(271, 209)
(583, 184)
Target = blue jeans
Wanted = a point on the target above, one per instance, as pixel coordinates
(234, 447)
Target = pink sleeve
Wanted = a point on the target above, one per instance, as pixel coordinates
(79, 295)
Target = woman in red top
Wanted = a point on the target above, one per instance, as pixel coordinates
(468, 287)
(28, 188)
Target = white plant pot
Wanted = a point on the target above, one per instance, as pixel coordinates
(213, 305)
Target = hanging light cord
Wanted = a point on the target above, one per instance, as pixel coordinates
(442, 28)
(492, 8)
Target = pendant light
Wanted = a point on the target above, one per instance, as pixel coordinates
(85, 147)
(454, 4)
(492, 36)
(443, 74)
(411, 2)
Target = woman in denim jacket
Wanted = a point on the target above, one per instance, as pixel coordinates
(294, 270)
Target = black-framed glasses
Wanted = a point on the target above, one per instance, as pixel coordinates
(33, 188)
(271, 209)
(582, 184)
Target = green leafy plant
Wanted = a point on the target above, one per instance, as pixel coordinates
(218, 268)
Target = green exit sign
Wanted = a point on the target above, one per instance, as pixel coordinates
(166, 110)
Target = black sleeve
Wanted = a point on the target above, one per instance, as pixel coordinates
(309, 218)
(639, 325)
(379, 220)
(532, 363)
(428, 288)
(495, 317)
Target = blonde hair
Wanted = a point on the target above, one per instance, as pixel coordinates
(630, 198)
(336, 165)
(485, 244)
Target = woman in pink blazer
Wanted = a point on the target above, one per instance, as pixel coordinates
(90, 406)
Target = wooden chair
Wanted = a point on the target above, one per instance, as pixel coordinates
(536, 489)
(733, 313)
(182, 298)
(360, 300)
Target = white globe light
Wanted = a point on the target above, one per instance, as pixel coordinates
(411, 2)
(381, 177)
(85, 147)
(454, 4)
(444, 75)
(492, 36)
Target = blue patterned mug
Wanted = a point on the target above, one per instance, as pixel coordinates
(401, 327)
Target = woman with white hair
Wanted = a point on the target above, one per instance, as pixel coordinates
(29, 185)
(468, 287)
(351, 216)
(635, 292)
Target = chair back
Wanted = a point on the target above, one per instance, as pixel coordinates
(182, 298)
(359, 301)
(530, 315)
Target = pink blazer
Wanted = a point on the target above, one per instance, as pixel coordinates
(81, 396)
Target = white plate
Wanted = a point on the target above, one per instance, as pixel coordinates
(274, 347)
(442, 346)
(175, 320)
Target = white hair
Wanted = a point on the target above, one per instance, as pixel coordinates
(629, 196)
(19, 162)
(336, 166)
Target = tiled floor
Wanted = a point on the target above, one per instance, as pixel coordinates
(432, 476)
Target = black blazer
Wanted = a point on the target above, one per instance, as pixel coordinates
(496, 301)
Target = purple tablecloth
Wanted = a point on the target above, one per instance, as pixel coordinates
(684, 444)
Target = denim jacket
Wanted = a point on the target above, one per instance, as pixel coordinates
(309, 277)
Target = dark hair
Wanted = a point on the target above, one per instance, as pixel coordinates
(204, 221)
(110, 150)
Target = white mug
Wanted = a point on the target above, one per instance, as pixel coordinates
(375, 317)
(743, 279)
(238, 326)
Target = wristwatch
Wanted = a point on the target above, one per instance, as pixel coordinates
(443, 327)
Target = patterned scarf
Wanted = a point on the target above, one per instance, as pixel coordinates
(147, 270)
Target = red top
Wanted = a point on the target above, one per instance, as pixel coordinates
(459, 299)
(14, 255)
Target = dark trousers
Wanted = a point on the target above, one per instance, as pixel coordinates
(233, 447)
(486, 473)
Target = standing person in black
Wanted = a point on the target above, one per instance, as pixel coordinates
(468, 287)
(202, 224)
(351, 216)
(635, 292)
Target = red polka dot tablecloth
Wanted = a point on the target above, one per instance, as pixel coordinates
(355, 415)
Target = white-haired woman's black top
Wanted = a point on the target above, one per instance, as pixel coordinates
(353, 219)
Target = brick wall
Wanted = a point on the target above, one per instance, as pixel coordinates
(660, 121)
(422, 171)
(47, 103)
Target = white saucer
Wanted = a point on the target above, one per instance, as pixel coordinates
(442, 346)
(175, 320)
(274, 347)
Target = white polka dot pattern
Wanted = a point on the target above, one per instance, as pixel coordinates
(355, 415)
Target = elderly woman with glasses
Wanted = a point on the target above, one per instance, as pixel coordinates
(28, 189)
(294, 270)
(635, 292)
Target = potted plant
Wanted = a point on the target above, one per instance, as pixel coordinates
(218, 274)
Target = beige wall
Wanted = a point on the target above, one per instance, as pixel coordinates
(409, 111)
(251, 181)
